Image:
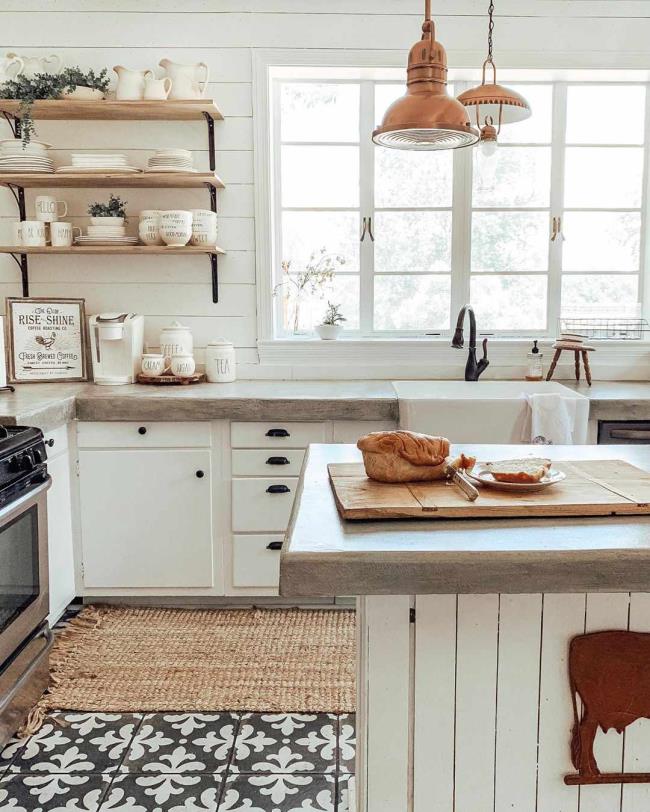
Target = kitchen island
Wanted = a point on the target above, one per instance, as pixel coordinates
(463, 695)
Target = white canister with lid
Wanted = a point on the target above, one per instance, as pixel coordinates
(220, 364)
(176, 340)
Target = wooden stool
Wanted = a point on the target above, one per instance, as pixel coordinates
(578, 350)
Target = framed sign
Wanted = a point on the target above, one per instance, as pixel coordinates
(47, 340)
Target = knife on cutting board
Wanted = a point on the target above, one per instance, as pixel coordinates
(461, 481)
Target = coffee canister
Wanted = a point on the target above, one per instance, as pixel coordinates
(176, 340)
(220, 364)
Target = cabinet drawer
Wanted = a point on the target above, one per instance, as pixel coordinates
(276, 435)
(56, 441)
(143, 435)
(261, 462)
(255, 509)
(253, 563)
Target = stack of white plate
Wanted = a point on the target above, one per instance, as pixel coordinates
(111, 233)
(89, 163)
(170, 160)
(32, 157)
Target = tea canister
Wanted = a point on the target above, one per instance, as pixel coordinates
(176, 340)
(183, 365)
(220, 364)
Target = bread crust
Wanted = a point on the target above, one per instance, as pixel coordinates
(404, 456)
(519, 471)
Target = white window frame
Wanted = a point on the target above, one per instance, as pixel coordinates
(368, 65)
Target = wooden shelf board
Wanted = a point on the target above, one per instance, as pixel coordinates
(167, 110)
(110, 249)
(151, 180)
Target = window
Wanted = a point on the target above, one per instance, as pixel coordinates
(550, 226)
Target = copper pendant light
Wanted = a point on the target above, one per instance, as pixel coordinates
(426, 117)
(494, 104)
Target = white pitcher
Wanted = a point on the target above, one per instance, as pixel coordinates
(39, 64)
(188, 81)
(130, 83)
(6, 67)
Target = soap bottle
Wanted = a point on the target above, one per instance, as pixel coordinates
(535, 370)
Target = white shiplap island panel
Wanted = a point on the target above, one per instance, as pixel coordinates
(488, 714)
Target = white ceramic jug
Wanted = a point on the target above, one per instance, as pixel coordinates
(188, 81)
(10, 67)
(39, 64)
(131, 83)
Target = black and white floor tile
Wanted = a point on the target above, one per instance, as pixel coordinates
(182, 762)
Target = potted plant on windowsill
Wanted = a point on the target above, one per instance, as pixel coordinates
(112, 213)
(332, 325)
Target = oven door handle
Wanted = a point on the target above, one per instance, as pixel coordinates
(45, 632)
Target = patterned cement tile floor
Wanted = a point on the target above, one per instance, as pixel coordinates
(182, 762)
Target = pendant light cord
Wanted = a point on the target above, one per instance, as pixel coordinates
(490, 31)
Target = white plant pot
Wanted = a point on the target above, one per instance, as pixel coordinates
(84, 93)
(328, 332)
(107, 221)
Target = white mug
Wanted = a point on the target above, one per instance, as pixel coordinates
(153, 365)
(62, 234)
(17, 236)
(32, 233)
(149, 231)
(183, 366)
(157, 88)
(47, 208)
(204, 227)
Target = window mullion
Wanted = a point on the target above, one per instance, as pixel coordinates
(558, 155)
(461, 224)
(644, 253)
(366, 203)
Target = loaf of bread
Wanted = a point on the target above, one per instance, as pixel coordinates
(527, 470)
(404, 456)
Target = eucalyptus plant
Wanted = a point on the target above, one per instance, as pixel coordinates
(116, 207)
(48, 86)
(333, 315)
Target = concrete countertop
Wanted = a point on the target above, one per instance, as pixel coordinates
(324, 554)
(48, 405)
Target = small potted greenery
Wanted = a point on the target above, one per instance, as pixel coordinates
(112, 213)
(70, 82)
(331, 326)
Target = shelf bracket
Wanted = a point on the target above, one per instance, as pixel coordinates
(21, 261)
(210, 123)
(215, 277)
(213, 197)
(14, 123)
(19, 195)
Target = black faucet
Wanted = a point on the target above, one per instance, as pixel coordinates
(473, 368)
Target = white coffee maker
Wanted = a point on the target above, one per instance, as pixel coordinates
(116, 341)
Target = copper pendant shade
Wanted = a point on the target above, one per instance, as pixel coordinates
(426, 117)
(494, 104)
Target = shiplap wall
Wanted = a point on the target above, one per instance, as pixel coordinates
(224, 34)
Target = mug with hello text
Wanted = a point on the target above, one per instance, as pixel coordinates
(47, 208)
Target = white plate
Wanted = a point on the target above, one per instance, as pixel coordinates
(25, 170)
(162, 169)
(16, 161)
(32, 142)
(99, 170)
(123, 241)
(484, 477)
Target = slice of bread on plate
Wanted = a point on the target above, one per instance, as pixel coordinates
(528, 470)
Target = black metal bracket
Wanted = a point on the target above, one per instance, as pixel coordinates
(213, 197)
(210, 123)
(7, 388)
(21, 261)
(215, 277)
(14, 123)
(19, 195)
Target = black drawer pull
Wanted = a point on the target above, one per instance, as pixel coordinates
(50, 442)
(142, 430)
(200, 474)
(277, 433)
(278, 489)
(277, 461)
(274, 545)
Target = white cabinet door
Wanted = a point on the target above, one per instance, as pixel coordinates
(59, 530)
(146, 518)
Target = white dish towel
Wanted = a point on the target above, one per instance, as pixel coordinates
(552, 419)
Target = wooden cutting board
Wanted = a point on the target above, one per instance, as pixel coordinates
(592, 488)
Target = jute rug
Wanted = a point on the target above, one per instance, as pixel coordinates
(121, 659)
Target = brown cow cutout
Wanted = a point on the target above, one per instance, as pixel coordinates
(610, 673)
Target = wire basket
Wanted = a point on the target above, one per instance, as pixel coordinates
(602, 328)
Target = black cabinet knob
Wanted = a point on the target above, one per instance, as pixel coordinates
(278, 489)
(200, 474)
(142, 430)
(277, 461)
(277, 433)
(50, 442)
(274, 545)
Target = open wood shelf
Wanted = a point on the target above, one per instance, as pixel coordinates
(92, 180)
(111, 249)
(191, 110)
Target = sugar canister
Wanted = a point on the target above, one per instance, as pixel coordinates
(220, 364)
